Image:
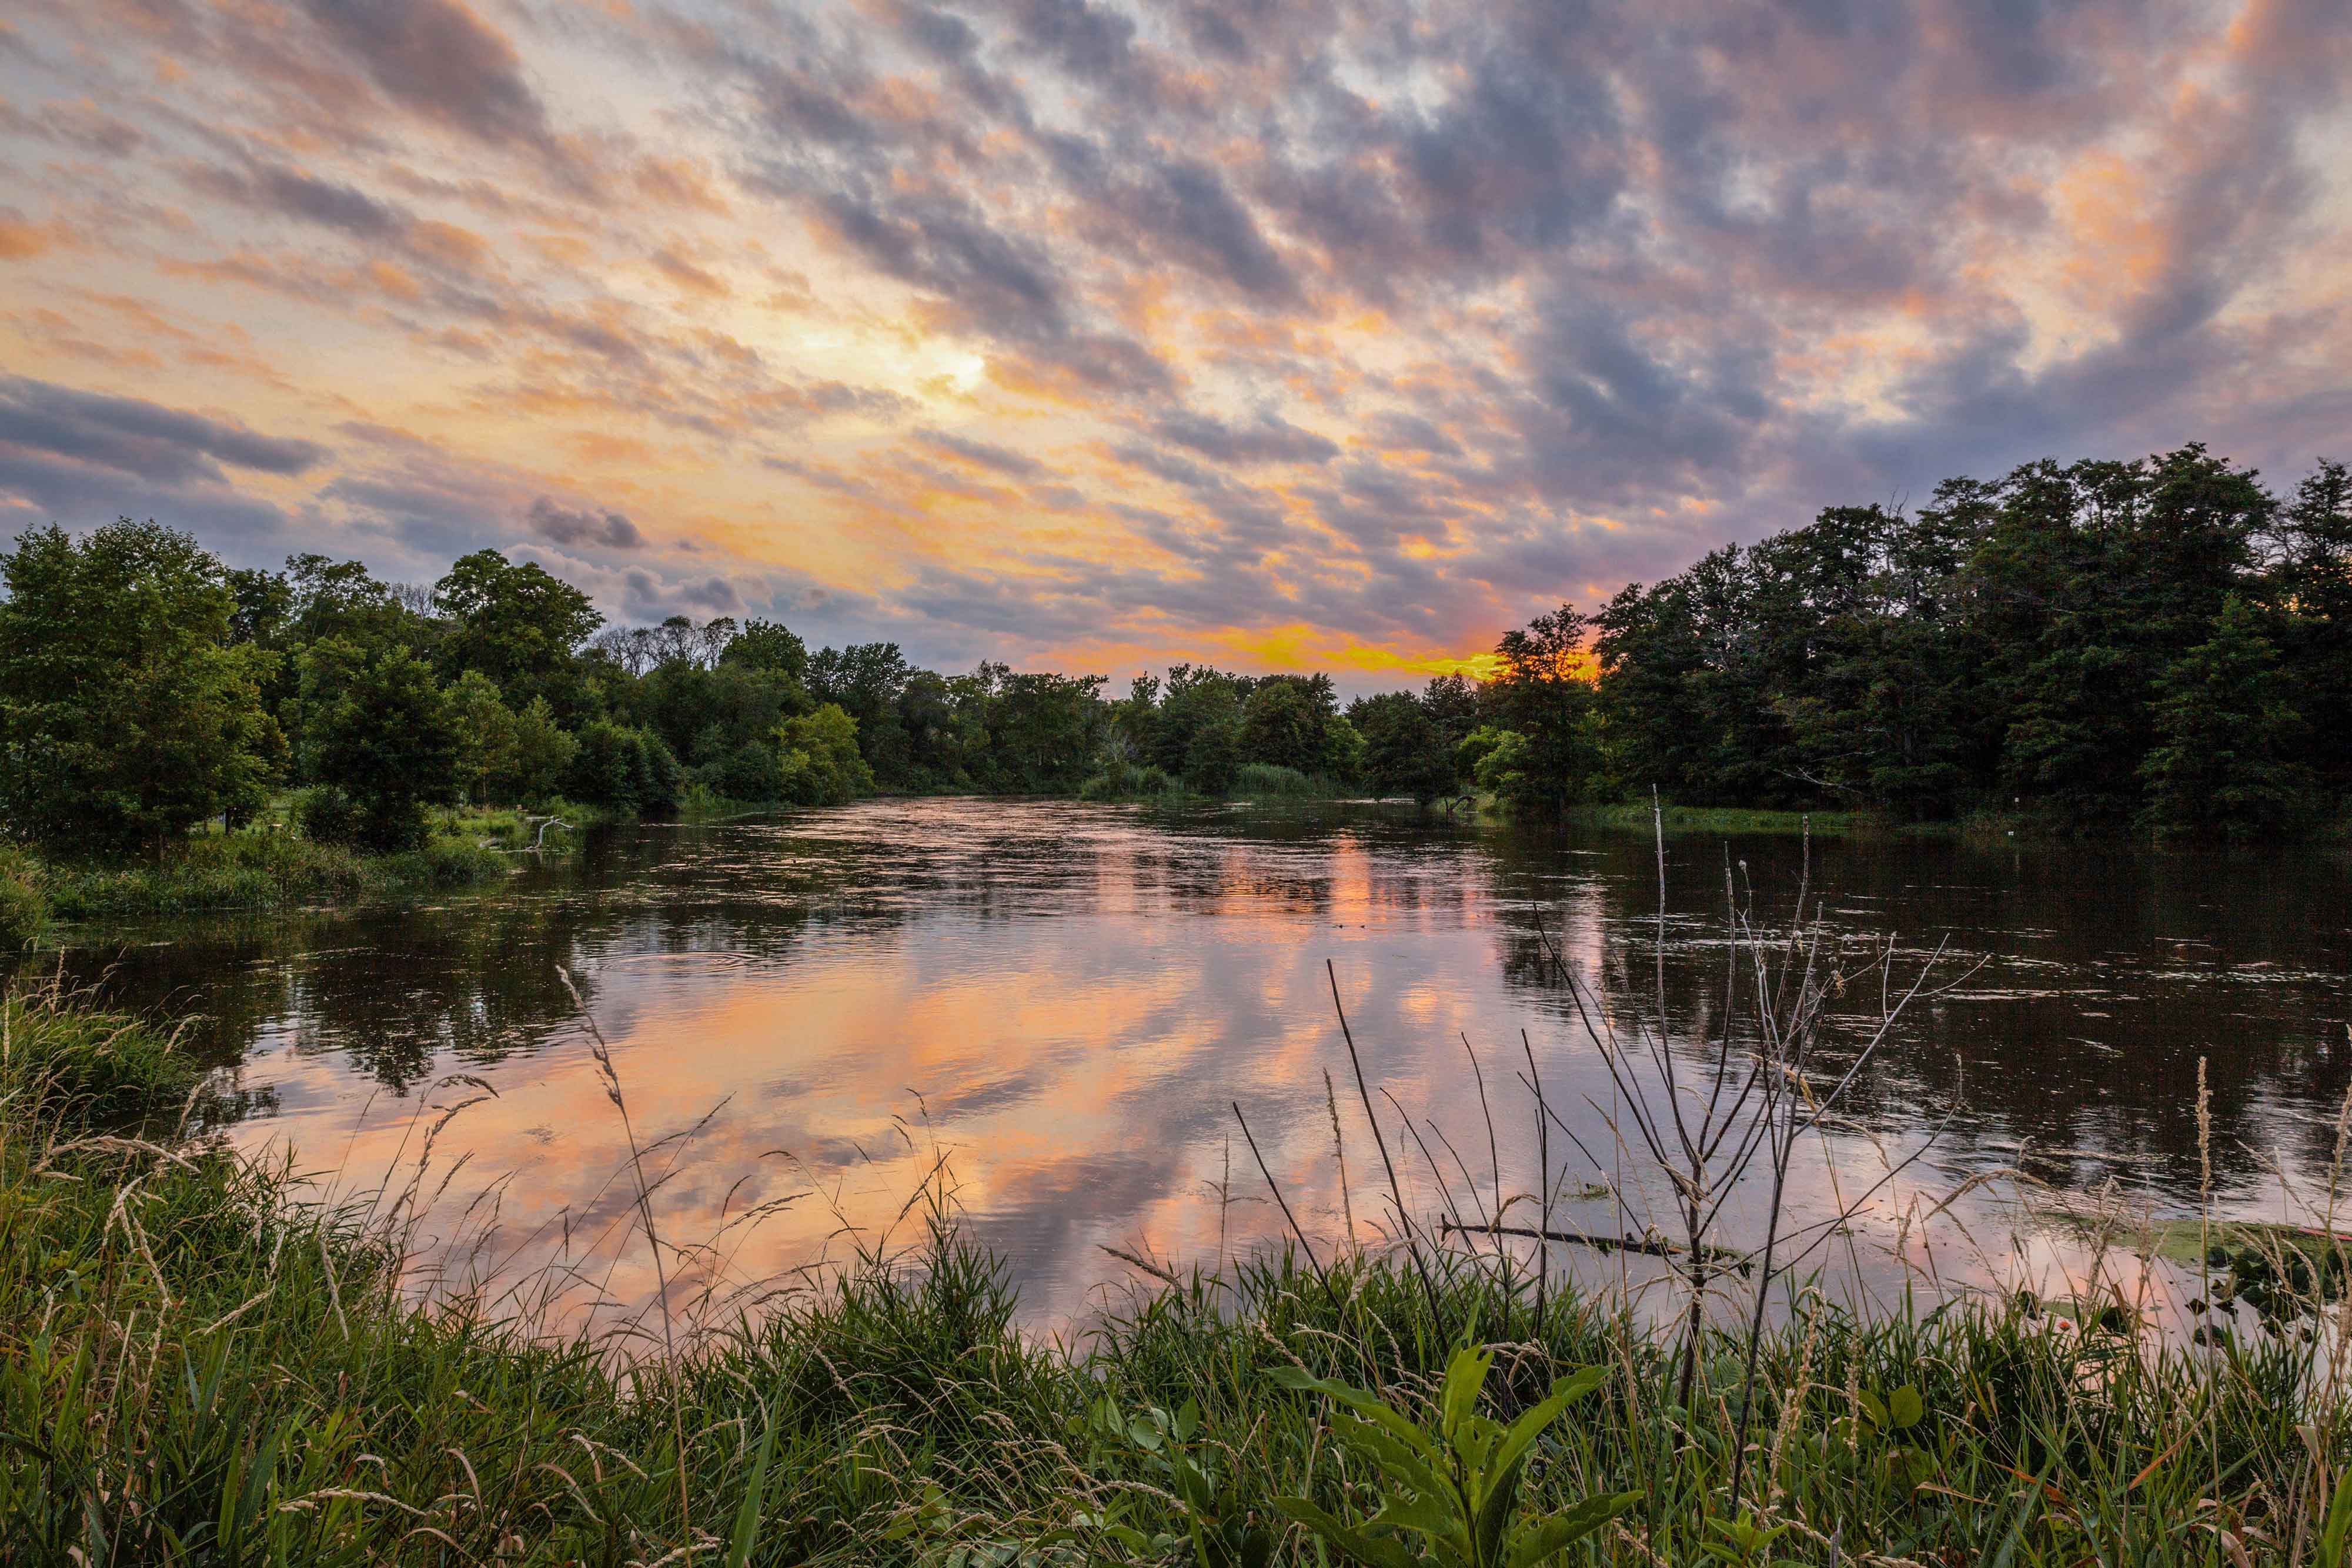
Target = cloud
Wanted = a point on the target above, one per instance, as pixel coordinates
(567, 526)
(1001, 459)
(1269, 438)
(1026, 328)
(441, 60)
(156, 444)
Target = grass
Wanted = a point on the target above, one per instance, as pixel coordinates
(1264, 781)
(199, 1364)
(1635, 815)
(267, 867)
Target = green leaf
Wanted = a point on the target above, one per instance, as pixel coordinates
(1356, 1399)
(1548, 1537)
(1465, 1376)
(1905, 1407)
(1399, 1462)
(2338, 1529)
(1362, 1548)
(1530, 1425)
(1872, 1408)
(755, 1495)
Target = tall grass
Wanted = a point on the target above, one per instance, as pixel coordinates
(266, 867)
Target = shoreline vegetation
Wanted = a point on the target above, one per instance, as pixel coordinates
(200, 1362)
(271, 866)
(2161, 647)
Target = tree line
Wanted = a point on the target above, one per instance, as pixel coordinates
(2161, 642)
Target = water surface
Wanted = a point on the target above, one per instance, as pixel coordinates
(1049, 1010)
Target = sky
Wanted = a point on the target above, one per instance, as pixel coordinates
(1090, 336)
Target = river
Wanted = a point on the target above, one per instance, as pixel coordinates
(1044, 1014)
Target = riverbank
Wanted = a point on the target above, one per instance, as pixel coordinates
(196, 1362)
(268, 866)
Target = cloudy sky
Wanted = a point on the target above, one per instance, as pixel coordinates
(1090, 335)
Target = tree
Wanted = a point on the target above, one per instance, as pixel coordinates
(1286, 722)
(379, 731)
(1543, 695)
(768, 646)
(542, 755)
(1197, 734)
(486, 734)
(1405, 752)
(1041, 731)
(2228, 735)
(519, 626)
(820, 763)
(623, 769)
(126, 716)
(865, 681)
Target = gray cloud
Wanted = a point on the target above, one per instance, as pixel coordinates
(1267, 439)
(1003, 459)
(438, 58)
(562, 525)
(154, 443)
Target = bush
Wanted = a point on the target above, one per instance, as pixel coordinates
(1267, 781)
(1121, 780)
(24, 902)
(750, 772)
(625, 769)
(327, 816)
(820, 759)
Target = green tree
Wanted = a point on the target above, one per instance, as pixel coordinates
(623, 769)
(768, 646)
(1285, 721)
(126, 716)
(519, 626)
(1545, 694)
(486, 735)
(543, 750)
(820, 763)
(2228, 735)
(1405, 752)
(865, 681)
(379, 731)
(1041, 731)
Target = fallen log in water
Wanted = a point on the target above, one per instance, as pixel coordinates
(1651, 1246)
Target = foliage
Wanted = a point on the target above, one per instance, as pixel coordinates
(2060, 641)
(378, 730)
(2082, 646)
(519, 626)
(542, 756)
(24, 902)
(1405, 748)
(266, 868)
(820, 761)
(624, 769)
(486, 735)
(1457, 1488)
(126, 717)
(2228, 735)
(768, 646)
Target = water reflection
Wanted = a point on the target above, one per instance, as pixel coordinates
(809, 1011)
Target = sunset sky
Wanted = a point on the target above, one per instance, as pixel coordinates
(1091, 336)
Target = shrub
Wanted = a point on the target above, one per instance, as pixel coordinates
(24, 902)
(1265, 781)
(1122, 781)
(326, 816)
